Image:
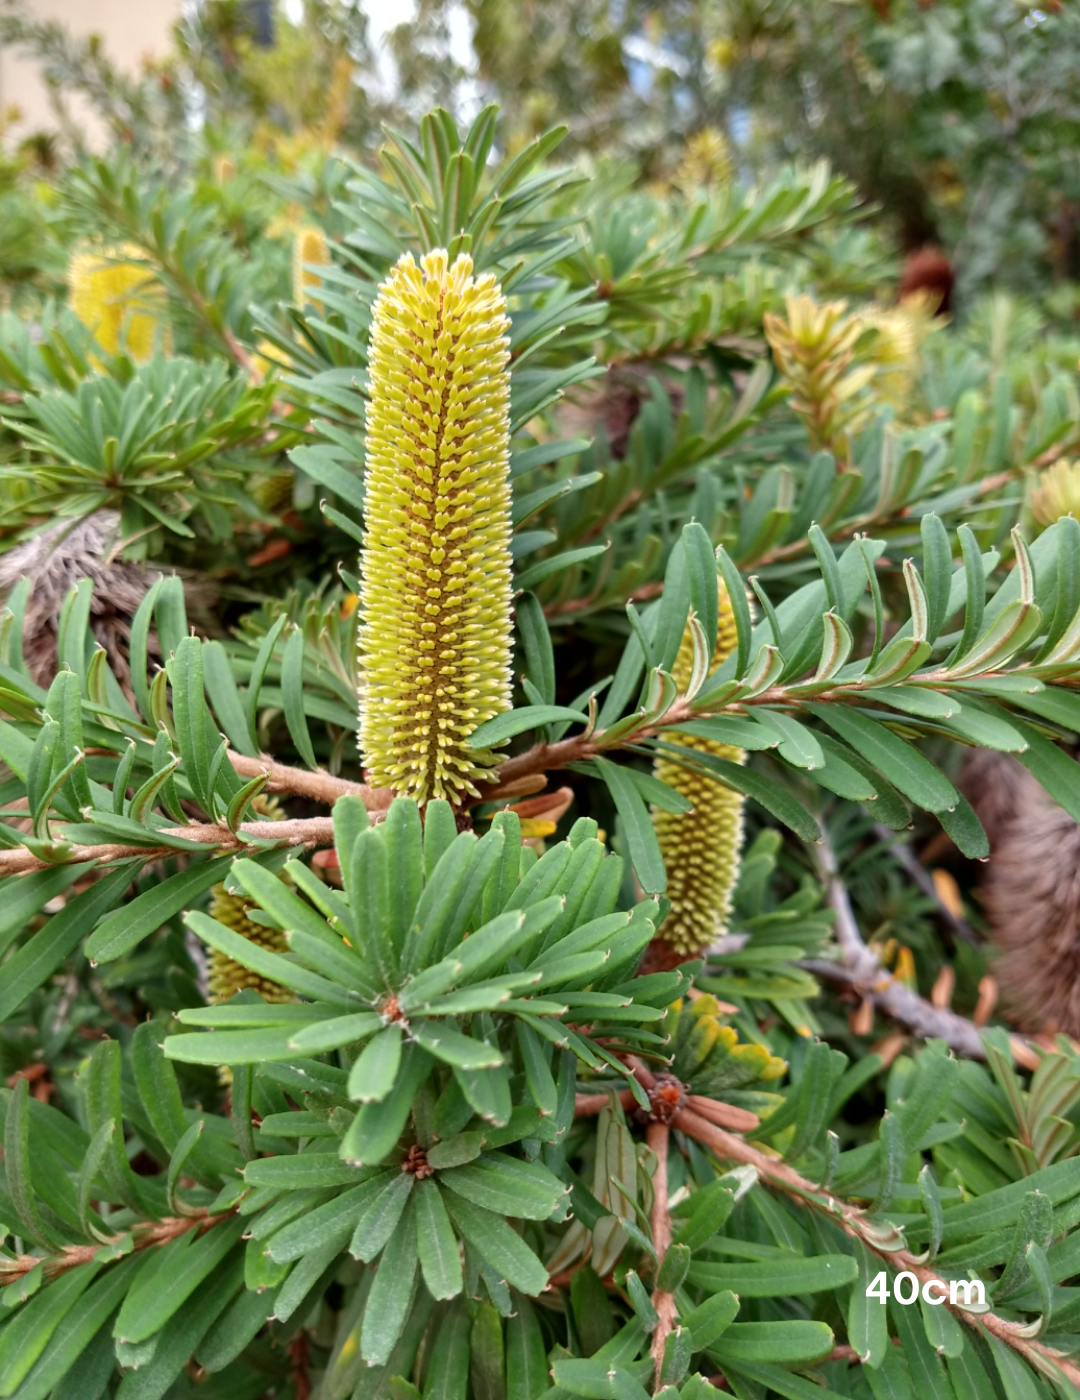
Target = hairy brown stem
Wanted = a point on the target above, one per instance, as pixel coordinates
(147, 1235)
(309, 831)
(657, 1137)
(301, 782)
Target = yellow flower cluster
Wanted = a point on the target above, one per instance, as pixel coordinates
(701, 849)
(1057, 492)
(120, 299)
(435, 646)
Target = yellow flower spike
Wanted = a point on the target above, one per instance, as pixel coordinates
(702, 848)
(120, 300)
(435, 646)
(227, 977)
(310, 247)
(1057, 492)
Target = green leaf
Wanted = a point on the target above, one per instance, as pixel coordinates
(780, 1343)
(641, 840)
(388, 1301)
(292, 690)
(546, 567)
(769, 794)
(327, 1226)
(508, 1185)
(25, 1338)
(448, 1372)
(903, 765)
(78, 1328)
(502, 1247)
(536, 644)
(171, 1278)
(44, 952)
(375, 1071)
(23, 896)
(380, 1218)
(117, 933)
(259, 669)
(502, 727)
(440, 1262)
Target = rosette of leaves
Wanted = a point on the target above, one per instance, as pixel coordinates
(710, 1059)
(448, 964)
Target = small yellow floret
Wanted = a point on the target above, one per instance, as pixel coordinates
(435, 639)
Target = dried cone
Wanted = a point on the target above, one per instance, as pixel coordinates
(701, 849)
(120, 299)
(435, 645)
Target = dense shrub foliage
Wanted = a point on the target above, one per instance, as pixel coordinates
(687, 567)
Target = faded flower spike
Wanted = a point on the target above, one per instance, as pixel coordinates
(120, 300)
(435, 646)
(702, 848)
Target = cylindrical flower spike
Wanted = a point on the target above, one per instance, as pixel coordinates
(120, 300)
(435, 638)
(702, 848)
(309, 249)
(225, 977)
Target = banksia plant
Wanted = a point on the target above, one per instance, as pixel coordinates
(120, 300)
(435, 564)
(701, 847)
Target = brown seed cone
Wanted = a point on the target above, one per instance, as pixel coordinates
(1031, 892)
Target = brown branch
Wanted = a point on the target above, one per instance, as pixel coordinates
(147, 1235)
(861, 969)
(858, 1226)
(310, 831)
(657, 1138)
(301, 782)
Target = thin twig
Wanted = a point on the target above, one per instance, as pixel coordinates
(657, 1137)
(921, 877)
(145, 1236)
(862, 969)
(308, 831)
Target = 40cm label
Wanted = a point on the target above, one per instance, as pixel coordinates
(962, 1292)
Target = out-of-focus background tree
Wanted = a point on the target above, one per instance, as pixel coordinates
(958, 120)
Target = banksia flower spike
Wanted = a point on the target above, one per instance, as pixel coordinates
(225, 977)
(309, 249)
(435, 564)
(120, 300)
(701, 849)
(1057, 492)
